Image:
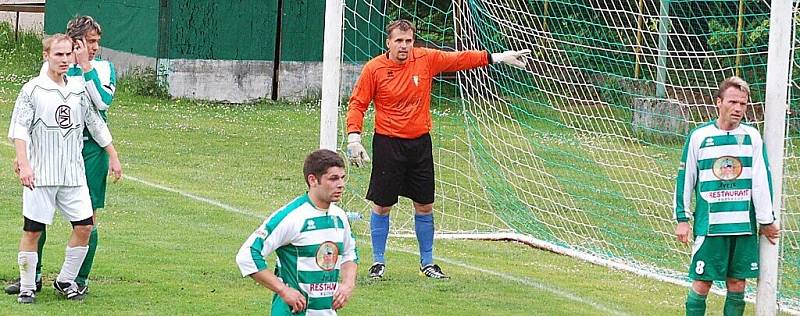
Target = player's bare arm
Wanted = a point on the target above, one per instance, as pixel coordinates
(345, 289)
(26, 177)
(292, 297)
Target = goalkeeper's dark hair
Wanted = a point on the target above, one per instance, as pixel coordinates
(403, 25)
(733, 82)
(79, 26)
(318, 162)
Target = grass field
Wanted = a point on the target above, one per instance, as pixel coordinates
(201, 177)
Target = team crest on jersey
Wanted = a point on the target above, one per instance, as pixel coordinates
(727, 168)
(64, 116)
(415, 78)
(327, 255)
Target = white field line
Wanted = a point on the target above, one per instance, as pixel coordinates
(524, 281)
(528, 282)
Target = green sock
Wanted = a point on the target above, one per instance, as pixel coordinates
(86, 267)
(734, 304)
(695, 304)
(39, 250)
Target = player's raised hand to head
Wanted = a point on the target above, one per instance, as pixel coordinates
(356, 152)
(82, 54)
(514, 58)
(293, 298)
(682, 232)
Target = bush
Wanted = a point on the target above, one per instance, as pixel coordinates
(144, 81)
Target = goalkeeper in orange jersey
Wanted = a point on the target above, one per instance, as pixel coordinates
(399, 83)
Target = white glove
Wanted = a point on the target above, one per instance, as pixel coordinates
(514, 58)
(355, 151)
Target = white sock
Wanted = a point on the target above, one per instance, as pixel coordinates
(73, 259)
(27, 261)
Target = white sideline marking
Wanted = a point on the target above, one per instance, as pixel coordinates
(528, 282)
(524, 281)
(194, 197)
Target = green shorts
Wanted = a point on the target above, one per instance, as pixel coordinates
(717, 258)
(95, 161)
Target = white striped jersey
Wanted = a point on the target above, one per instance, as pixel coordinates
(311, 246)
(728, 174)
(50, 119)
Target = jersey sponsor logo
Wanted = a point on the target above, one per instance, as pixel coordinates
(311, 225)
(682, 166)
(727, 168)
(415, 78)
(63, 116)
(327, 255)
(322, 289)
(727, 195)
(709, 141)
(753, 266)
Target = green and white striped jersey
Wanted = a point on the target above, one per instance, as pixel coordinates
(311, 246)
(728, 174)
(50, 119)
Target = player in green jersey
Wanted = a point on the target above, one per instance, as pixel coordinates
(724, 165)
(317, 256)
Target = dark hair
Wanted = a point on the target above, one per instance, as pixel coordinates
(403, 25)
(82, 25)
(733, 82)
(318, 162)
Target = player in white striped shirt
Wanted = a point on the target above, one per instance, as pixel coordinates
(46, 128)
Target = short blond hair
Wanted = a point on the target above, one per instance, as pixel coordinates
(733, 82)
(48, 42)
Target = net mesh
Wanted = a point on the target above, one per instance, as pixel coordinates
(581, 148)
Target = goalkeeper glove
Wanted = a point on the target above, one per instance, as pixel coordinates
(355, 151)
(514, 58)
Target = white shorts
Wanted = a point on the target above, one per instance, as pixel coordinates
(40, 203)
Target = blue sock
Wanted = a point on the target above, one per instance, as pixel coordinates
(423, 226)
(379, 230)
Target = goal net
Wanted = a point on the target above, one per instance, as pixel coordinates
(579, 151)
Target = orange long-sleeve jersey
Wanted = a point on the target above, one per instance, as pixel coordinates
(402, 92)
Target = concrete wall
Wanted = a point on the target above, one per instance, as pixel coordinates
(234, 81)
(231, 81)
(303, 80)
(124, 61)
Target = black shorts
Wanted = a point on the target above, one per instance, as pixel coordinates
(401, 167)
